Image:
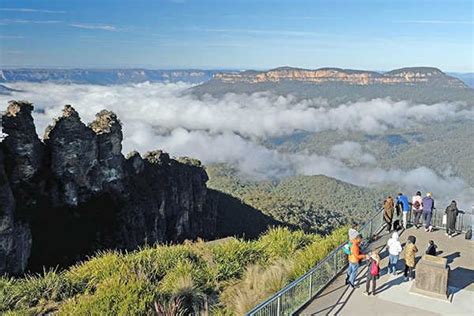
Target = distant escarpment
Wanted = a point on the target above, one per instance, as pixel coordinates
(420, 84)
(73, 193)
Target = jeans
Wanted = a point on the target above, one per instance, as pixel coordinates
(352, 272)
(371, 279)
(427, 219)
(392, 263)
(417, 217)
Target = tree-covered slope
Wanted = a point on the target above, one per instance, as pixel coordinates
(313, 203)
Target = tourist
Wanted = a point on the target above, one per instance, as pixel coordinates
(410, 253)
(428, 207)
(402, 200)
(372, 272)
(417, 208)
(394, 248)
(451, 215)
(355, 257)
(431, 250)
(388, 205)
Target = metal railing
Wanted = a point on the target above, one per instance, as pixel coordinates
(463, 221)
(296, 294)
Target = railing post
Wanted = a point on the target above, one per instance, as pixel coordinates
(279, 305)
(310, 285)
(370, 230)
(335, 263)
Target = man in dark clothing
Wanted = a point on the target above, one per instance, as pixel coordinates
(451, 215)
(431, 250)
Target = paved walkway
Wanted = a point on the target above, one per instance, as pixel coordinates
(393, 296)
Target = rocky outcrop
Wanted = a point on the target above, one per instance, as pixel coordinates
(74, 193)
(410, 76)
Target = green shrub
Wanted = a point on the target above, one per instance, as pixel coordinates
(232, 257)
(232, 276)
(280, 242)
(87, 275)
(114, 296)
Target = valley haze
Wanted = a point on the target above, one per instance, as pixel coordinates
(235, 118)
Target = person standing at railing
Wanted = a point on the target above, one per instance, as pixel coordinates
(451, 216)
(417, 208)
(402, 200)
(355, 257)
(388, 206)
(428, 207)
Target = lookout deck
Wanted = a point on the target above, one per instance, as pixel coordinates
(393, 296)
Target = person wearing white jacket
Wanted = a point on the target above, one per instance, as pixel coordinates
(394, 249)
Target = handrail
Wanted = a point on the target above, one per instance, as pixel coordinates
(299, 292)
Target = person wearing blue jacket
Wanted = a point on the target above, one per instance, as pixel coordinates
(405, 206)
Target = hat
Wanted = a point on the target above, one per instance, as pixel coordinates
(428, 194)
(353, 234)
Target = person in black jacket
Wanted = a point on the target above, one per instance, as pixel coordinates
(431, 250)
(451, 216)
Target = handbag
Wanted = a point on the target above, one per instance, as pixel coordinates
(445, 219)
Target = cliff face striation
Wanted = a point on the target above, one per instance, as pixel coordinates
(74, 193)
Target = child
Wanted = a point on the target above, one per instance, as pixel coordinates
(372, 272)
(410, 253)
(431, 250)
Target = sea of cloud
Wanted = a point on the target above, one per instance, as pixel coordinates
(228, 129)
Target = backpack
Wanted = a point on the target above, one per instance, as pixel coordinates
(374, 268)
(417, 205)
(469, 234)
(347, 248)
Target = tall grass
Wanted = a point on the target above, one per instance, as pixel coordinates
(231, 277)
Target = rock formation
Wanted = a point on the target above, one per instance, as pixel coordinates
(74, 193)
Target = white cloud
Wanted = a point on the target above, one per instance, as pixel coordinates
(228, 129)
(352, 152)
(30, 10)
(22, 21)
(103, 27)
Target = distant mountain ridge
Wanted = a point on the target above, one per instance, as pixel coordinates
(417, 84)
(105, 76)
(409, 76)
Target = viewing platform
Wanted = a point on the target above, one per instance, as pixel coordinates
(322, 290)
(393, 295)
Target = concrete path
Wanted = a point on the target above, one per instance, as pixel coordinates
(393, 296)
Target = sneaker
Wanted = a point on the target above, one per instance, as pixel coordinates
(347, 280)
(450, 236)
(352, 285)
(447, 234)
(394, 273)
(405, 279)
(366, 293)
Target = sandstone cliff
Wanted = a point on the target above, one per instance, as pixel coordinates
(75, 193)
(408, 76)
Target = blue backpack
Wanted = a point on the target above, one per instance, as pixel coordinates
(347, 248)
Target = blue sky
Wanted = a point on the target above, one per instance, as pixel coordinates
(238, 34)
